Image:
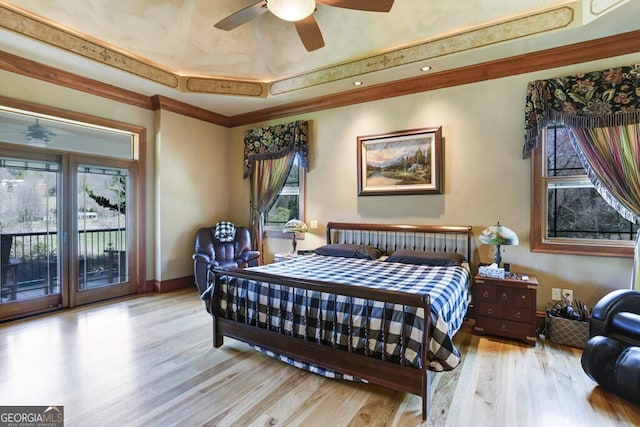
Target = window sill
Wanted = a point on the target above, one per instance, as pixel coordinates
(586, 248)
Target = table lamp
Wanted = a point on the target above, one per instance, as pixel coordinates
(294, 226)
(498, 235)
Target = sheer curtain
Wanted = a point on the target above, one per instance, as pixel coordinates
(602, 109)
(268, 155)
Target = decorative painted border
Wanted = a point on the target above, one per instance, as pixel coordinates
(599, 7)
(15, 20)
(35, 28)
(512, 29)
(226, 87)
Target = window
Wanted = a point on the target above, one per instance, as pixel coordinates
(290, 201)
(569, 215)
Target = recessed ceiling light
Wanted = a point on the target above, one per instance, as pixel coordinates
(357, 83)
(425, 68)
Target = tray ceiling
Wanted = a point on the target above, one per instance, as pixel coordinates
(171, 48)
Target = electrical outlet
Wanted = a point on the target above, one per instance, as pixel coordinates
(556, 294)
(568, 293)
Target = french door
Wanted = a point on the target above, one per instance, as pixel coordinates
(65, 222)
(102, 241)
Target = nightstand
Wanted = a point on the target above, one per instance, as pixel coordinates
(284, 256)
(506, 307)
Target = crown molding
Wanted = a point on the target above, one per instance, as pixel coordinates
(606, 47)
(36, 70)
(160, 102)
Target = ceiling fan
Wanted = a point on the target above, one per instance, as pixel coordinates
(38, 135)
(300, 12)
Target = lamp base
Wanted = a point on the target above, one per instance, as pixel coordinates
(294, 243)
(497, 258)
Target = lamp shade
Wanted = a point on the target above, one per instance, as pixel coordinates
(499, 235)
(291, 10)
(294, 226)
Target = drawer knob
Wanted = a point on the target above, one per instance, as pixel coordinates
(504, 295)
(490, 311)
(518, 315)
(503, 328)
(485, 294)
(523, 297)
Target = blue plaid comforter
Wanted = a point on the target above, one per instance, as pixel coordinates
(447, 288)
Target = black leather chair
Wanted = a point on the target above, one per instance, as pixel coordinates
(209, 252)
(611, 357)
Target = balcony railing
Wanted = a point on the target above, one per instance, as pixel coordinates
(101, 261)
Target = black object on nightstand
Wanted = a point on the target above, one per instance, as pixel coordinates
(506, 307)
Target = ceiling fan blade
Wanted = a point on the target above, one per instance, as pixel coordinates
(244, 15)
(366, 5)
(309, 33)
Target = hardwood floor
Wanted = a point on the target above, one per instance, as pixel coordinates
(149, 361)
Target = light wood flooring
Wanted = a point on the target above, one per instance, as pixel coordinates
(149, 361)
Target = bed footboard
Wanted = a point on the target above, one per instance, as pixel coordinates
(232, 317)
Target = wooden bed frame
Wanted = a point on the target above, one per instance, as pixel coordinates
(386, 237)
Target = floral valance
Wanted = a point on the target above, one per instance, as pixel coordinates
(276, 141)
(596, 99)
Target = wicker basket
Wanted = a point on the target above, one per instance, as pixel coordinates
(569, 332)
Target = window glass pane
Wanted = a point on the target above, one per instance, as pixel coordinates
(285, 208)
(293, 179)
(562, 159)
(29, 229)
(24, 128)
(102, 233)
(579, 212)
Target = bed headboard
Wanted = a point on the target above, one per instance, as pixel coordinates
(392, 237)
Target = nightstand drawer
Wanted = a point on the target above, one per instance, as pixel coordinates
(491, 310)
(515, 296)
(519, 314)
(485, 293)
(504, 327)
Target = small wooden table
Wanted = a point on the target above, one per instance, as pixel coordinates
(279, 257)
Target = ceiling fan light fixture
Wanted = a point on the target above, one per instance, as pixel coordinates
(291, 10)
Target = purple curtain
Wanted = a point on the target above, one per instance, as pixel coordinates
(602, 111)
(268, 155)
